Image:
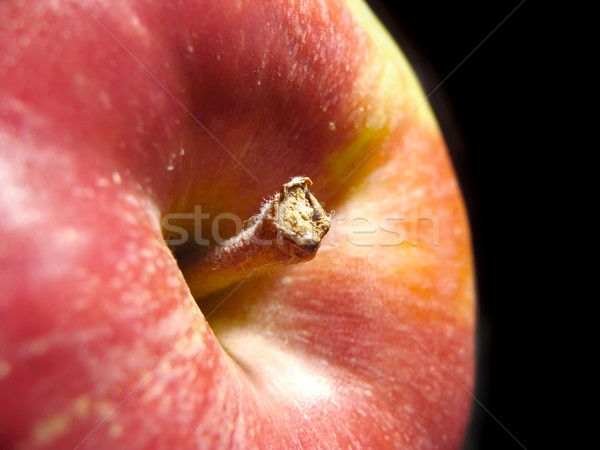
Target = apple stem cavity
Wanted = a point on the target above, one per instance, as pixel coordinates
(287, 230)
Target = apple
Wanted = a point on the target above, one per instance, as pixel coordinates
(136, 133)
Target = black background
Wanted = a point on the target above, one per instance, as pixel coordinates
(487, 57)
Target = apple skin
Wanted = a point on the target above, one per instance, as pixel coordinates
(115, 114)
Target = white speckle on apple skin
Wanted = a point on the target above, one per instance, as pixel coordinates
(15, 192)
(170, 166)
(102, 182)
(150, 268)
(116, 177)
(410, 409)
(173, 281)
(51, 428)
(82, 406)
(34, 348)
(287, 280)
(116, 430)
(5, 369)
(105, 100)
(69, 235)
(135, 21)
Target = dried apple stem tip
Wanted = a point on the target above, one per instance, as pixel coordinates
(288, 230)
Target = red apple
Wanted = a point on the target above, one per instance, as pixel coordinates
(117, 115)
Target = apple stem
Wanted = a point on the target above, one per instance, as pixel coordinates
(288, 230)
